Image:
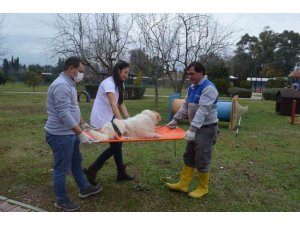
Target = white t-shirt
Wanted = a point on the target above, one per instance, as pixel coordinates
(102, 111)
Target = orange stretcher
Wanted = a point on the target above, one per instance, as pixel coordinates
(166, 133)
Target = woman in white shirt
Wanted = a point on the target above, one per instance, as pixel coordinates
(109, 104)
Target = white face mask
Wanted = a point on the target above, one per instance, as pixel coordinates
(79, 77)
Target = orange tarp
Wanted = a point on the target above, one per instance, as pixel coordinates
(165, 132)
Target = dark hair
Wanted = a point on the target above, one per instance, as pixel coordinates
(198, 67)
(119, 83)
(72, 61)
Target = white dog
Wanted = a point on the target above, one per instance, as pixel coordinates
(109, 131)
(140, 126)
(98, 137)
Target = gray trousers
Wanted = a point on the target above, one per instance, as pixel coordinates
(198, 152)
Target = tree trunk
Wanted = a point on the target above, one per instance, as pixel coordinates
(181, 83)
(156, 94)
(260, 84)
(176, 83)
(173, 81)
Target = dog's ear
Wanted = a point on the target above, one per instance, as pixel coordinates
(158, 117)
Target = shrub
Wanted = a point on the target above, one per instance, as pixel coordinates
(270, 94)
(92, 89)
(245, 84)
(222, 85)
(275, 84)
(241, 92)
(241, 83)
(131, 92)
(134, 92)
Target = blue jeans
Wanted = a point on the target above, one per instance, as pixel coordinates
(67, 157)
(114, 149)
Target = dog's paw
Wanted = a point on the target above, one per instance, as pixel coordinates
(126, 137)
(156, 135)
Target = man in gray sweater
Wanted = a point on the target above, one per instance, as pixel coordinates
(200, 107)
(64, 134)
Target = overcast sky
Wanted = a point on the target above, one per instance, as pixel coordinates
(25, 34)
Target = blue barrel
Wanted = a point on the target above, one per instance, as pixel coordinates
(224, 110)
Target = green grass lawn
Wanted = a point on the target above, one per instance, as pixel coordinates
(259, 170)
(162, 91)
(21, 87)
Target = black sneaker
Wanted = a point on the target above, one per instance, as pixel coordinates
(91, 177)
(67, 206)
(91, 190)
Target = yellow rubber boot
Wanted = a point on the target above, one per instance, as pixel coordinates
(185, 179)
(202, 189)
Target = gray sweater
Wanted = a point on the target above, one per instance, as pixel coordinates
(203, 113)
(62, 106)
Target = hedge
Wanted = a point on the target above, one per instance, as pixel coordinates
(241, 92)
(131, 92)
(92, 89)
(275, 84)
(271, 94)
(222, 85)
(245, 84)
(134, 92)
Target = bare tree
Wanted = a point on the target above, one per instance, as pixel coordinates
(199, 37)
(107, 39)
(179, 39)
(171, 41)
(99, 39)
(158, 37)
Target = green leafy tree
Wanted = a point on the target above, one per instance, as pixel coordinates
(5, 66)
(59, 66)
(47, 69)
(33, 76)
(3, 78)
(288, 51)
(139, 79)
(246, 59)
(15, 64)
(270, 55)
(216, 67)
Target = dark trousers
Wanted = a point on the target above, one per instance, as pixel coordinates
(198, 152)
(114, 149)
